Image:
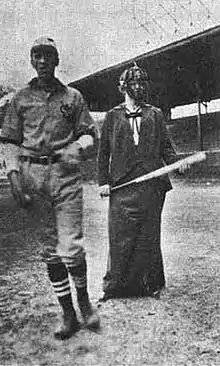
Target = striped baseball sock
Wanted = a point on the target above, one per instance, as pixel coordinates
(79, 275)
(59, 279)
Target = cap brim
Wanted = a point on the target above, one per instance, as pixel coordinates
(43, 47)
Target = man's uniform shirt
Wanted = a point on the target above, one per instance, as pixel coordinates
(42, 122)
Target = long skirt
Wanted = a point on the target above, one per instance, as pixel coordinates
(135, 265)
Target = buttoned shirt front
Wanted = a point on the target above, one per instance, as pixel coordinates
(45, 121)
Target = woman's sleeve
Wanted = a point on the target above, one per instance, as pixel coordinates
(167, 148)
(104, 153)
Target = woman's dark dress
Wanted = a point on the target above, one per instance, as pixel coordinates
(135, 265)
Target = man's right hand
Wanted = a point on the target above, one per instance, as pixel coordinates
(20, 197)
(104, 191)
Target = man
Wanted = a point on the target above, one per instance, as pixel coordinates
(48, 131)
(134, 141)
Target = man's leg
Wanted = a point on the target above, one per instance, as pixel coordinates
(79, 275)
(70, 250)
(59, 279)
(57, 272)
(43, 211)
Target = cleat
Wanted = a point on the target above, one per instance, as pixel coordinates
(90, 316)
(68, 328)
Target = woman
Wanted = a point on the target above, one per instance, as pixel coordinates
(134, 141)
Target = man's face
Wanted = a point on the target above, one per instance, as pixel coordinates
(137, 90)
(44, 62)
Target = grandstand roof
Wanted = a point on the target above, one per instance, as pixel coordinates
(180, 73)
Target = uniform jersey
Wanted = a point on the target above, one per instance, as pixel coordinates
(43, 122)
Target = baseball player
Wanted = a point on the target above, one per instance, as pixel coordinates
(48, 131)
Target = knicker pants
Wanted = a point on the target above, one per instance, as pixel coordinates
(57, 195)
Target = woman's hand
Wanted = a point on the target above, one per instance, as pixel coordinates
(183, 168)
(104, 191)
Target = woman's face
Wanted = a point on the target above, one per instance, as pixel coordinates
(137, 90)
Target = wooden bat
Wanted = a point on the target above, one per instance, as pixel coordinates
(192, 159)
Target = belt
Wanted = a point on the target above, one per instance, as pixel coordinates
(42, 160)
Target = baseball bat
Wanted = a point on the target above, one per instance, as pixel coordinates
(192, 159)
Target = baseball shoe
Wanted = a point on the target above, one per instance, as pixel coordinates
(90, 316)
(69, 326)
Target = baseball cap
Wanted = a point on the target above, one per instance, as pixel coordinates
(44, 42)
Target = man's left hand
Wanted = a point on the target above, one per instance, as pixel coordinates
(72, 153)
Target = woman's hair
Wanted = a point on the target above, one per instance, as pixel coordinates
(134, 73)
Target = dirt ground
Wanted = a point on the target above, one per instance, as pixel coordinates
(181, 328)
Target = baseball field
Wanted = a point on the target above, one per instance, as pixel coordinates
(181, 328)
